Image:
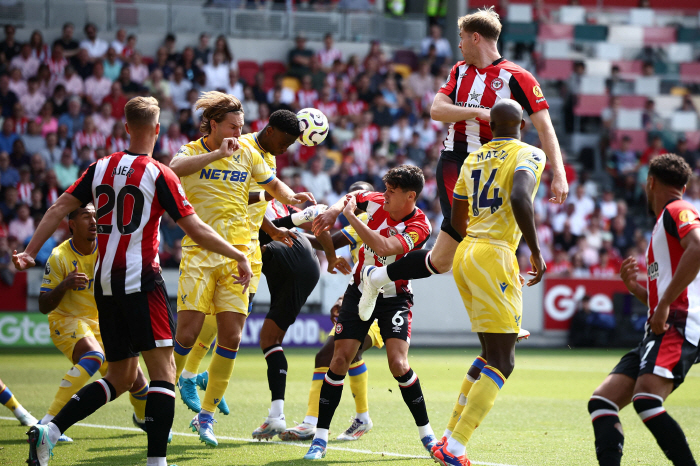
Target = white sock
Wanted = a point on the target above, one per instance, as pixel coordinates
(425, 430)
(277, 408)
(462, 400)
(46, 419)
(322, 434)
(379, 277)
(447, 433)
(313, 420)
(156, 461)
(456, 448)
(54, 433)
(208, 413)
(364, 417)
(20, 411)
(188, 375)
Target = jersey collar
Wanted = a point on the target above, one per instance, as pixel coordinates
(502, 139)
(70, 241)
(204, 145)
(255, 138)
(128, 152)
(499, 61)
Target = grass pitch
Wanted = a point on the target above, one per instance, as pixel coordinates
(539, 419)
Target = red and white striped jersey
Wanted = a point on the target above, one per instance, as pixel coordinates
(326, 57)
(306, 98)
(413, 231)
(94, 140)
(353, 108)
(678, 218)
(275, 209)
(24, 192)
(469, 86)
(140, 189)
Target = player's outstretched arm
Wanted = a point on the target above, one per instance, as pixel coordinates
(184, 165)
(327, 219)
(524, 184)
(204, 236)
(443, 109)
(65, 204)
(550, 145)
(381, 245)
(283, 193)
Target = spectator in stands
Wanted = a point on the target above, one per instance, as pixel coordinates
(172, 141)
(574, 82)
(235, 86)
(616, 84)
(250, 104)
(287, 95)
(51, 153)
(129, 49)
(7, 98)
(116, 100)
(59, 100)
(318, 181)
(40, 50)
(179, 87)
(130, 88)
(157, 86)
(96, 47)
(9, 47)
(216, 72)
(19, 119)
(66, 171)
(9, 176)
(560, 265)
(88, 137)
(299, 58)
(692, 193)
(73, 119)
(608, 205)
(56, 62)
(443, 50)
(117, 140)
(624, 160)
(221, 45)
(17, 84)
(401, 133)
(97, 86)
(8, 136)
(421, 82)
(25, 185)
(32, 140)
(202, 51)
(22, 226)
(687, 105)
(138, 71)
(189, 66)
(7, 270)
(609, 116)
(73, 83)
(688, 155)
(10, 203)
(82, 64)
(46, 82)
(655, 149)
(329, 54)
(111, 64)
(651, 120)
(119, 41)
(46, 121)
(104, 121)
(37, 208)
(70, 46)
(26, 62)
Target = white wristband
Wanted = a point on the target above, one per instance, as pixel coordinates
(298, 218)
(262, 196)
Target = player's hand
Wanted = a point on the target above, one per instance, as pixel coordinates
(245, 273)
(324, 221)
(75, 280)
(339, 263)
(300, 198)
(335, 310)
(350, 206)
(538, 269)
(560, 187)
(658, 320)
(228, 147)
(628, 273)
(22, 260)
(483, 114)
(284, 235)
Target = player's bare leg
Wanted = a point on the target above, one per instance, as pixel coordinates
(271, 336)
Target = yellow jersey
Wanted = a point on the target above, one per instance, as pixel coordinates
(78, 302)
(219, 191)
(355, 240)
(485, 181)
(256, 212)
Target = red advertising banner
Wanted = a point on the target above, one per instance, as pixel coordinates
(14, 298)
(561, 296)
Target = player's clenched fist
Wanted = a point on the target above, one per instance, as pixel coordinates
(228, 147)
(628, 272)
(75, 280)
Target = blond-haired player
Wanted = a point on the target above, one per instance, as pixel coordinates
(217, 171)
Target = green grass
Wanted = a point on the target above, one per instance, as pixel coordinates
(539, 419)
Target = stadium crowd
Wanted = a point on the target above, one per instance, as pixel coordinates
(63, 108)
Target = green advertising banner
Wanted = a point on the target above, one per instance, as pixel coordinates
(24, 330)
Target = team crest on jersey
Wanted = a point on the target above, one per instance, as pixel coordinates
(391, 231)
(497, 84)
(338, 328)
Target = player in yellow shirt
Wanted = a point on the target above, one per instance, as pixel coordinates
(216, 172)
(492, 209)
(67, 297)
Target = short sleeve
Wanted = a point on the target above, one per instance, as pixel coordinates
(450, 86)
(460, 191)
(260, 171)
(364, 197)
(532, 160)
(82, 188)
(415, 235)
(53, 273)
(185, 151)
(680, 218)
(171, 195)
(527, 92)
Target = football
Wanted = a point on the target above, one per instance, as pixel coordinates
(314, 126)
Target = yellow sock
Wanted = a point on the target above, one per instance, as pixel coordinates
(76, 377)
(358, 386)
(460, 403)
(9, 400)
(315, 391)
(481, 398)
(220, 370)
(138, 399)
(201, 347)
(180, 352)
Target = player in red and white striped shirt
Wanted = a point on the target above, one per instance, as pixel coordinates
(131, 192)
(648, 374)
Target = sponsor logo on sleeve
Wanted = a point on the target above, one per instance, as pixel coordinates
(538, 93)
(409, 240)
(47, 269)
(687, 217)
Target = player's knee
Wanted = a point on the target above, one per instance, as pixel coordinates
(398, 366)
(324, 357)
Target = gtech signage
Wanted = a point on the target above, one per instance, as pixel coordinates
(24, 330)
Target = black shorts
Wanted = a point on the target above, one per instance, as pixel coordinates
(393, 315)
(448, 167)
(135, 322)
(292, 274)
(668, 355)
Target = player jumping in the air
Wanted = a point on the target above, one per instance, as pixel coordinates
(216, 172)
(395, 227)
(67, 297)
(648, 374)
(9, 400)
(492, 209)
(132, 191)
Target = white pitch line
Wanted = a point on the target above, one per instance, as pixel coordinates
(293, 444)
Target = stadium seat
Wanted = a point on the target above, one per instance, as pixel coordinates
(642, 16)
(639, 139)
(593, 85)
(403, 70)
(590, 105)
(555, 69)
(271, 70)
(647, 85)
(247, 70)
(689, 35)
(598, 67)
(632, 101)
(519, 13)
(659, 35)
(525, 33)
(629, 67)
(572, 15)
(629, 119)
(665, 105)
(556, 49)
(684, 121)
(690, 72)
(679, 53)
(608, 51)
(555, 32)
(406, 57)
(590, 33)
(629, 36)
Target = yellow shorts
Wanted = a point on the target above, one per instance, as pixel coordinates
(206, 284)
(66, 332)
(255, 259)
(373, 333)
(487, 275)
